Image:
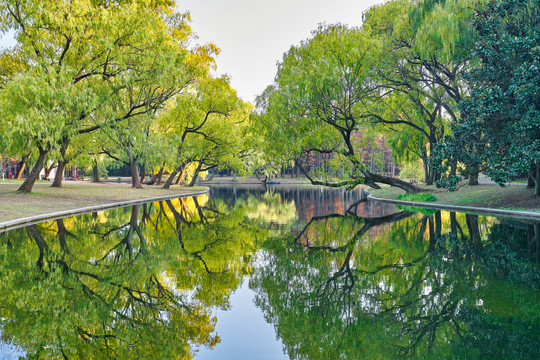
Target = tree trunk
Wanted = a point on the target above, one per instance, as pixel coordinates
(135, 180)
(169, 181)
(95, 172)
(62, 162)
(59, 174)
(23, 165)
(530, 177)
(143, 173)
(474, 230)
(160, 176)
(260, 178)
(196, 174)
(537, 180)
(156, 178)
(473, 176)
(179, 177)
(453, 223)
(371, 180)
(427, 175)
(48, 170)
(134, 170)
(27, 185)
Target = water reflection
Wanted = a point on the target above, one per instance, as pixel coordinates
(128, 283)
(336, 276)
(439, 286)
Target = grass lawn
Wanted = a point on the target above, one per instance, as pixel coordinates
(75, 194)
(513, 197)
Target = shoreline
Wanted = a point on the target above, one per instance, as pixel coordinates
(31, 220)
(47, 216)
(516, 214)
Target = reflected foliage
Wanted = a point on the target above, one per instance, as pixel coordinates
(125, 283)
(337, 276)
(412, 286)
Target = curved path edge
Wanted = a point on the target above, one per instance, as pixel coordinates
(31, 220)
(467, 209)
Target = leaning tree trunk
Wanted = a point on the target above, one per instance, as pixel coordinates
(27, 185)
(156, 178)
(170, 180)
(261, 179)
(159, 176)
(195, 175)
(59, 176)
(372, 179)
(369, 179)
(173, 175)
(23, 165)
(179, 177)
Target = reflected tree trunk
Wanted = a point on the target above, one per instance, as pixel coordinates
(438, 223)
(453, 223)
(474, 230)
(42, 245)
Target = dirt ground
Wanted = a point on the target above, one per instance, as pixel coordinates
(73, 195)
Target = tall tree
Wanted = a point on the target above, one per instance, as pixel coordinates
(194, 119)
(82, 52)
(500, 116)
(425, 49)
(318, 102)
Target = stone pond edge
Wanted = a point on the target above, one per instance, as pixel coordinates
(31, 220)
(467, 209)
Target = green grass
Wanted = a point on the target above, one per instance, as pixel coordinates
(424, 211)
(517, 197)
(418, 197)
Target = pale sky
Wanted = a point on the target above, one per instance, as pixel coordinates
(254, 34)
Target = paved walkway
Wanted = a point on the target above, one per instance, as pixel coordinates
(488, 181)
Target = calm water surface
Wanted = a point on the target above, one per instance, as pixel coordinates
(277, 273)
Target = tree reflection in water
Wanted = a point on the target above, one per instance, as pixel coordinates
(119, 284)
(438, 285)
(337, 277)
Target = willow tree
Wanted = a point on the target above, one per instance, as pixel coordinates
(193, 121)
(317, 104)
(82, 52)
(427, 49)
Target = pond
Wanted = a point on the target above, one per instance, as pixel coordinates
(271, 273)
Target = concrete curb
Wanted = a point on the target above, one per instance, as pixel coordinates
(18, 223)
(467, 209)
